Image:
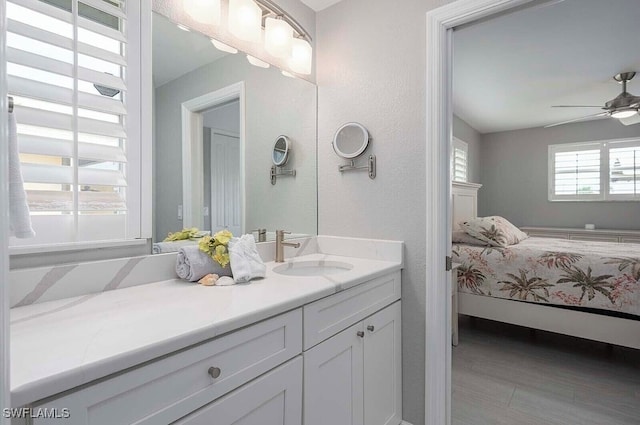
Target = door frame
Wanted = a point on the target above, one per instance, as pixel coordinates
(192, 151)
(439, 115)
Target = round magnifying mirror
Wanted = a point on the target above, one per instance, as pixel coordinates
(350, 140)
(281, 149)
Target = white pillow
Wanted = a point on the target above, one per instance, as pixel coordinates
(463, 237)
(495, 230)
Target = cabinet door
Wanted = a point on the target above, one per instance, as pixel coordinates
(273, 399)
(333, 381)
(383, 367)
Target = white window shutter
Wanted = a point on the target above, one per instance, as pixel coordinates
(68, 74)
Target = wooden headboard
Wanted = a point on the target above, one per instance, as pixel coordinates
(464, 202)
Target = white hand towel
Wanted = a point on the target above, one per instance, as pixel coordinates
(246, 263)
(192, 264)
(20, 220)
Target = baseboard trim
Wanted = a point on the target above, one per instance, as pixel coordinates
(405, 423)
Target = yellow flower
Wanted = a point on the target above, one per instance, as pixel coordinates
(223, 237)
(221, 255)
(184, 234)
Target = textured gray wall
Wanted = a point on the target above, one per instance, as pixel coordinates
(514, 178)
(371, 69)
(466, 133)
(274, 105)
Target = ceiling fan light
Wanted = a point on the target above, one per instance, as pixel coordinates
(624, 113)
(203, 11)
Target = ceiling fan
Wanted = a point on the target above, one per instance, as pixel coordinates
(624, 107)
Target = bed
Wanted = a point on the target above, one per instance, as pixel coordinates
(580, 288)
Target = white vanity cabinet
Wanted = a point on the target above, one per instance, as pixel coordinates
(355, 375)
(170, 388)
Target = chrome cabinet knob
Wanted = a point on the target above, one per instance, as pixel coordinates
(371, 328)
(360, 334)
(214, 372)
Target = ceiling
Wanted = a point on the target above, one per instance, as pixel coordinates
(509, 70)
(318, 5)
(177, 52)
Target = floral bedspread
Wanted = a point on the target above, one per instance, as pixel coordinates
(599, 275)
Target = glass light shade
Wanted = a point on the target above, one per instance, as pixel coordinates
(301, 56)
(278, 37)
(223, 47)
(245, 20)
(257, 62)
(203, 11)
(626, 113)
(288, 74)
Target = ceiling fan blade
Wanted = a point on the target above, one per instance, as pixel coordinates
(630, 120)
(587, 118)
(575, 106)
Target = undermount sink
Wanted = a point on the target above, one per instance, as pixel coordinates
(312, 268)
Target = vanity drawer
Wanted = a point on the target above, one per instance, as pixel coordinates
(328, 316)
(170, 388)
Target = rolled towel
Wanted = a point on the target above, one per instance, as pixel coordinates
(173, 246)
(193, 264)
(246, 263)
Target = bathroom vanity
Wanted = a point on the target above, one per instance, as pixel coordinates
(320, 335)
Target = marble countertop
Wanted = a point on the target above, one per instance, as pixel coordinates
(59, 345)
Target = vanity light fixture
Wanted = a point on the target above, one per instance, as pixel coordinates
(301, 56)
(203, 11)
(624, 113)
(257, 62)
(223, 47)
(278, 37)
(245, 20)
(288, 74)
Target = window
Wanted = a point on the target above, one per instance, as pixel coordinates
(459, 152)
(77, 106)
(595, 171)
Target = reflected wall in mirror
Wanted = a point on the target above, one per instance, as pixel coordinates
(216, 118)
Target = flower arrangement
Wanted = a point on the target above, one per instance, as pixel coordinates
(216, 247)
(184, 234)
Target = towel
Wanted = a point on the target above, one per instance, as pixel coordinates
(20, 220)
(193, 264)
(246, 263)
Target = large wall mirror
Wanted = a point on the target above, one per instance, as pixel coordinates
(216, 118)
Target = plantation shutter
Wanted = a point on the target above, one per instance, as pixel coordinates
(459, 161)
(67, 72)
(624, 169)
(576, 172)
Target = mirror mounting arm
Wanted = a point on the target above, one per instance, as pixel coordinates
(274, 173)
(370, 167)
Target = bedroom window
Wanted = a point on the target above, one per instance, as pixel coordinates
(459, 160)
(75, 84)
(595, 171)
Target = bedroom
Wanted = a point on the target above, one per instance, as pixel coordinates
(543, 363)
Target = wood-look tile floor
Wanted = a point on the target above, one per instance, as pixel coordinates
(508, 375)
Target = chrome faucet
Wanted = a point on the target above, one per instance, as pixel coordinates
(280, 244)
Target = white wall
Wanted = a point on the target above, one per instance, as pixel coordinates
(371, 69)
(274, 105)
(225, 117)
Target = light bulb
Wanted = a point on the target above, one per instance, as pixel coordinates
(245, 20)
(625, 113)
(278, 37)
(301, 57)
(257, 62)
(203, 11)
(223, 47)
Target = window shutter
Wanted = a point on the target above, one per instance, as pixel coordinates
(67, 73)
(576, 172)
(624, 170)
(459, 160)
